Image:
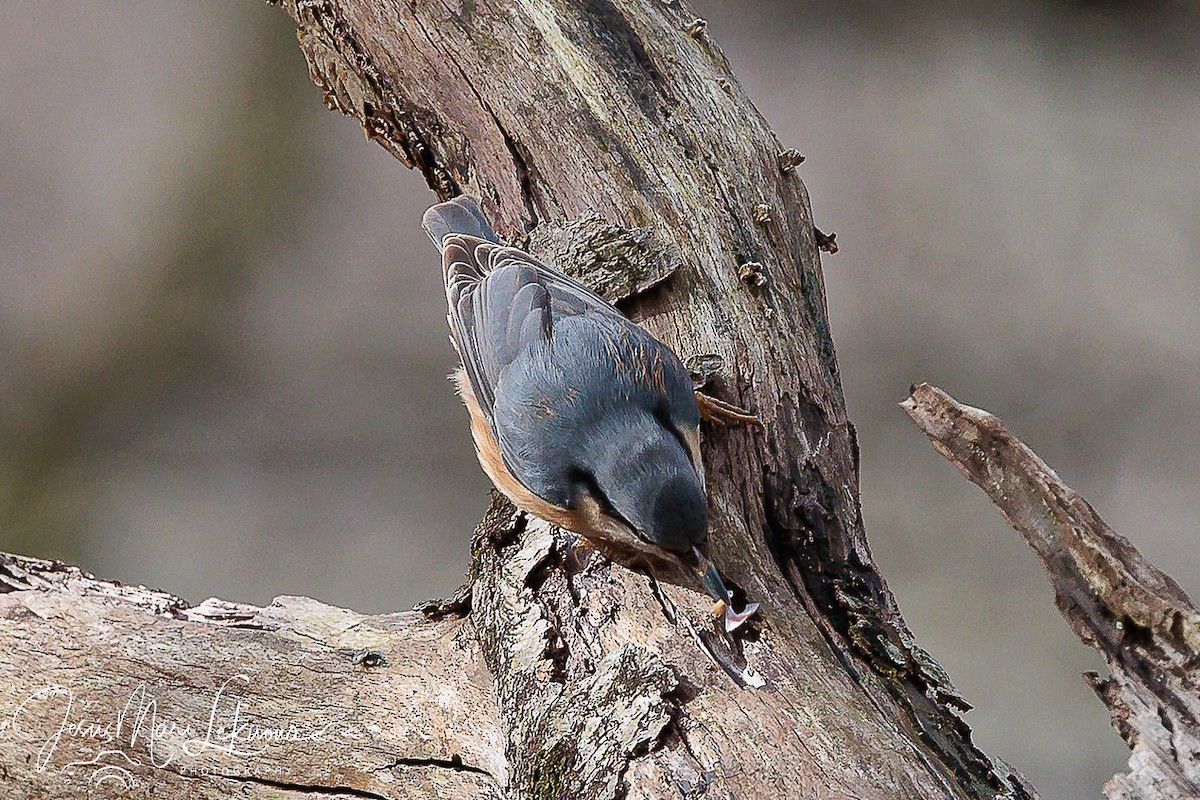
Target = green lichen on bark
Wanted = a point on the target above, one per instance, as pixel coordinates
(551, 768)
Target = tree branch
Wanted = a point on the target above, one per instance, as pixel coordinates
(1136, 616)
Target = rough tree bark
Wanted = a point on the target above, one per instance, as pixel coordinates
(611, 137)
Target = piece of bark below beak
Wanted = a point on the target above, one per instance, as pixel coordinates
(710, 579)
(733, 619)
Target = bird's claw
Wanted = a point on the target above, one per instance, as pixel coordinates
(722, 413)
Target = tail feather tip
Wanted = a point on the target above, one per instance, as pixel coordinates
(460, 215)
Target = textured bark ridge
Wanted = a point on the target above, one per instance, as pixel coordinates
(610, 136)
(1137, 617)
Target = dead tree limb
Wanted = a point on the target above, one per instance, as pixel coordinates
(612, 136)
(1136, 616)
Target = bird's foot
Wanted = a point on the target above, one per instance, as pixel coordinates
(722, 413)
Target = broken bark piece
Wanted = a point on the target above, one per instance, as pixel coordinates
(788, 160)
(827, 242)
(613, 261)
(703, 368)
(753, 273)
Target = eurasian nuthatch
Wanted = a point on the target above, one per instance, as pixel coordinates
(579, 416)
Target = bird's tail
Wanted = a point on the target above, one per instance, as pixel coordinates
(460, 215)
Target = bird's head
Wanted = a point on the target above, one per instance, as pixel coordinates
(637, 478)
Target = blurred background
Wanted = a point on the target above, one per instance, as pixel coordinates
(224, 355)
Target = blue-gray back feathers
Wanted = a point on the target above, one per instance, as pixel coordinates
(577, 396)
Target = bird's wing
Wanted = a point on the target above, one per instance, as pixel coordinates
(562, 410)
(545, 335)
(502, 301)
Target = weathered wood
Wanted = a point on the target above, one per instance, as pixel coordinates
(572, 676)
(1136, 616)
(129, 692)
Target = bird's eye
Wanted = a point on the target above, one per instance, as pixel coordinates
(586, 483)
(663, 417)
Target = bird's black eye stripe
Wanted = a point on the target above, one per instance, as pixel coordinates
(664, 419)
(579, 476)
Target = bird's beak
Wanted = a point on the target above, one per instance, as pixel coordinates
(710, 579)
